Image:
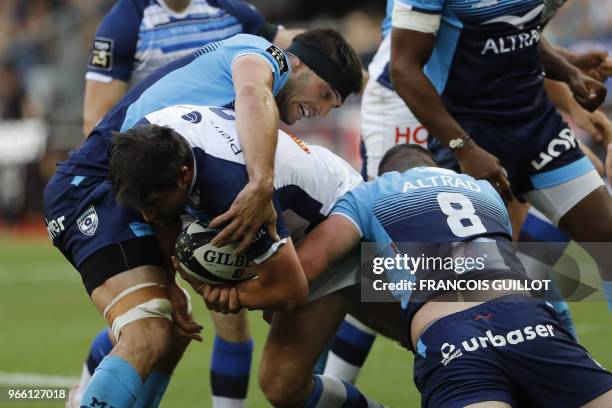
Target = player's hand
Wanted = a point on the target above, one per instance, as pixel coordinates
(605, 69)
(181, 313)
(482, 165)
(590, 62)
(596, 124)
(609, 163)
(251, 209)
(221, 298)
(589, 93)
(195, 284)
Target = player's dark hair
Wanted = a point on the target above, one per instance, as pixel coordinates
(333, 45)
(146, 159)
(402, 157)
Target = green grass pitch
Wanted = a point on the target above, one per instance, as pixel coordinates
(47, 323)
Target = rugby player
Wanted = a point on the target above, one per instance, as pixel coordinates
(137, 37)
(134, 39)
(262, 83)
(481, 95)
(504, 363)
(308, 181)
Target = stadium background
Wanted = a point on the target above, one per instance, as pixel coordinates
(46, 318)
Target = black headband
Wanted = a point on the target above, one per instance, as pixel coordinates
(322, 65)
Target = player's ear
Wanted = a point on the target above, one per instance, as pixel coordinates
(184, 180)
(296, 63)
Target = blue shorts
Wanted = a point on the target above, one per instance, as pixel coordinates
(539, 154)
(510, 349)
(83, 218)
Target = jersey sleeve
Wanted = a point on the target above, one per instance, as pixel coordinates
(423, 6)
(418, 15)
(113, 47)
(274, 56)
(355, 206)
(253, 22)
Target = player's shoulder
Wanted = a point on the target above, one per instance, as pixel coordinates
(252, 44)
(132, 9)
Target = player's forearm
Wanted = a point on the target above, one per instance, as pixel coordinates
(285, 295)
(257, 122)
(560, 95)
(556, 67)
(570, 56)
(99, 99)
(427, 106)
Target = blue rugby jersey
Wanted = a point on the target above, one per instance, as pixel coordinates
(202, 78)
(486, 60)
(138, 36)
(432, 209)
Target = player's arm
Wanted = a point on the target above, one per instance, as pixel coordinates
(596, 124)
(412, 42)
(280, 284)
(181, 306)
(111, 60)
(257, 121)
(595, 63)
(326, 244)
(99, 98)
(589, 93)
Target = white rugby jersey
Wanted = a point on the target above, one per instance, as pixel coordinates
(308, 179)
(138, 36)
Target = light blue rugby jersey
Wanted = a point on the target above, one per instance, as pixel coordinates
(201, 78)
(427, 205)
(207, 80)
(138, 36)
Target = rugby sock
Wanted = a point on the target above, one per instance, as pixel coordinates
(349, 350)
(607, 287)
(229, 372)
(331, 393)
(153, 390)
(100, 347)
(321, 362)
(539, 259)
(115, 383)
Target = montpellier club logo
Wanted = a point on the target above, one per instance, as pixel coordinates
(88, 221)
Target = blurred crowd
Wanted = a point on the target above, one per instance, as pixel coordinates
(44, 46)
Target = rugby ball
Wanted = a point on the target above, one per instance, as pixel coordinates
(207, 263)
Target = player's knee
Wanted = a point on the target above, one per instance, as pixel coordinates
(280, 388)
(147, 339)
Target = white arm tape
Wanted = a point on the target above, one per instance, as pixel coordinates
(152, 308)
(405, 17)
(94, 76)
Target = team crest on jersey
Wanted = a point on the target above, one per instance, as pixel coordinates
(279, 56)
(193, 117)
(88, 221)
(102, 54)
(303, 145)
